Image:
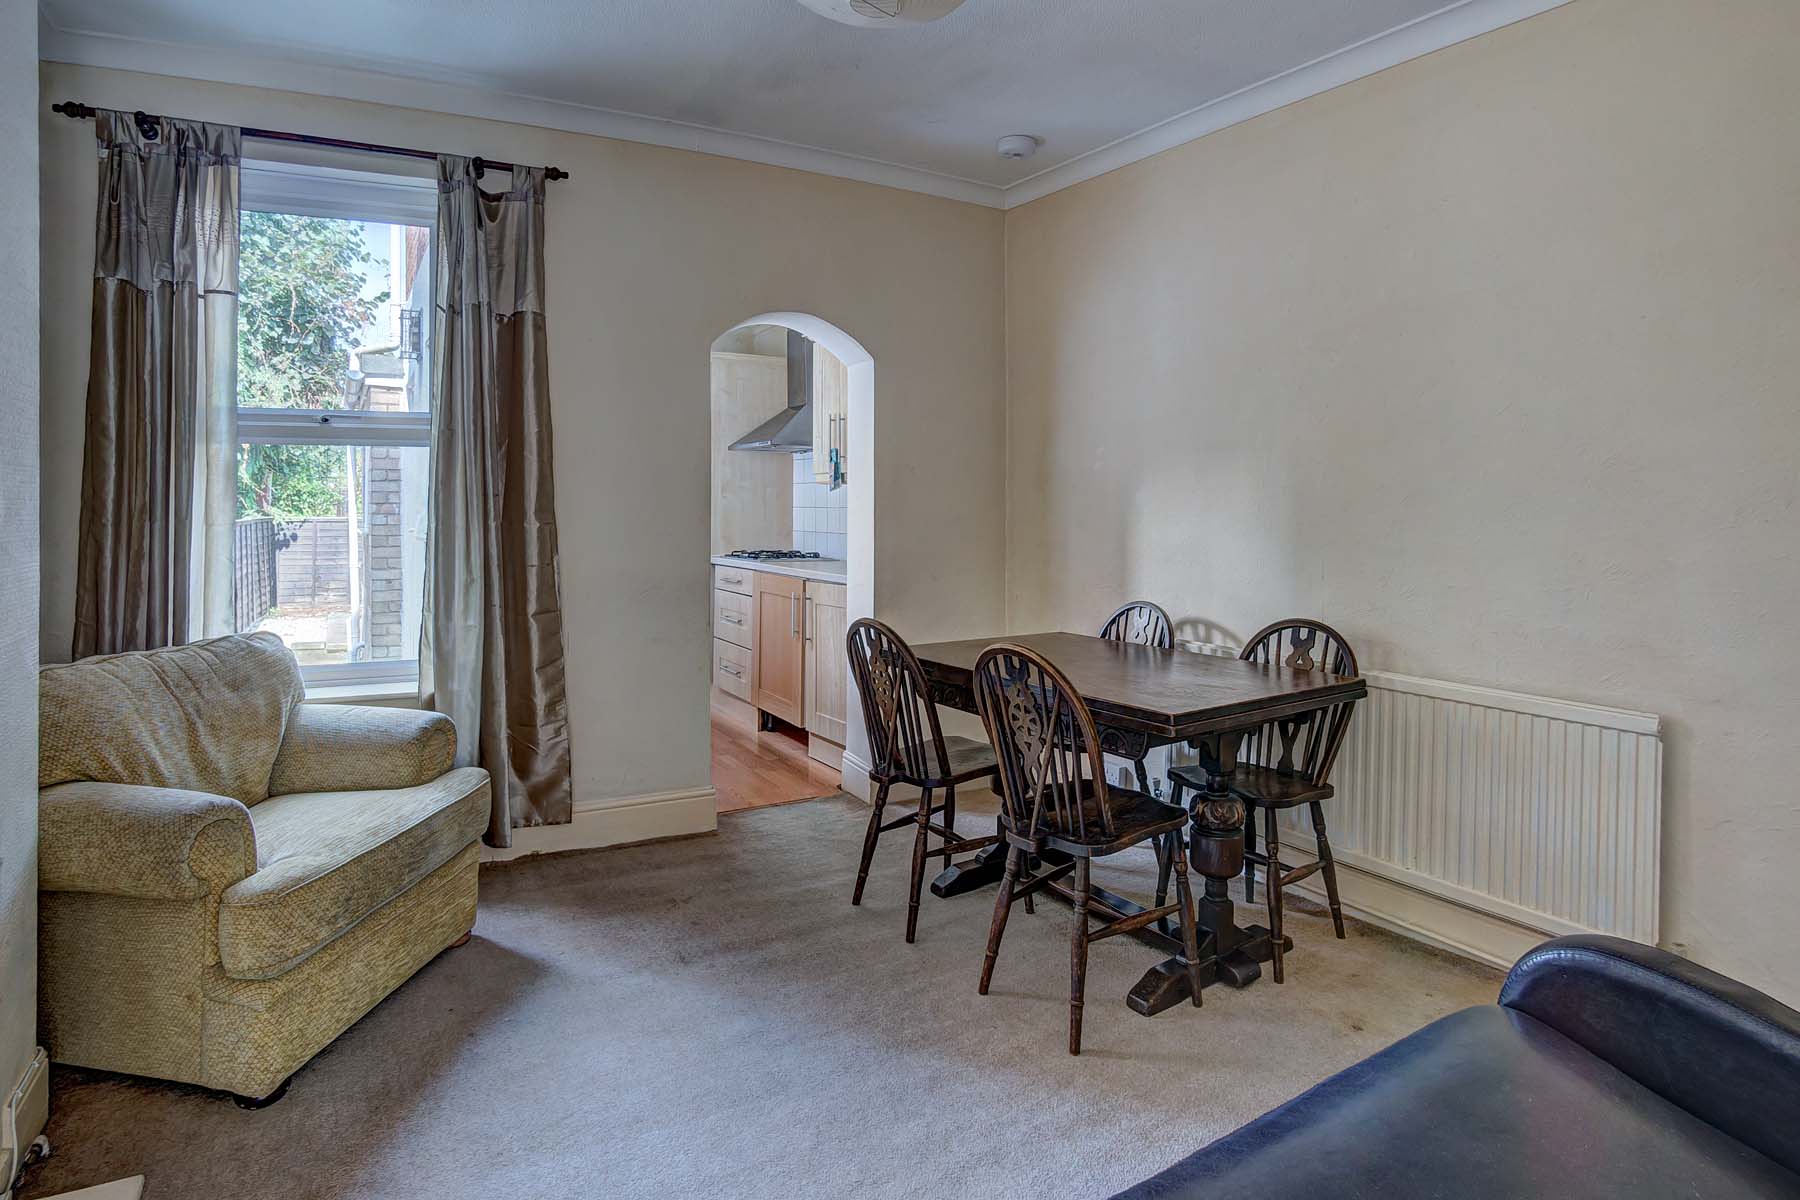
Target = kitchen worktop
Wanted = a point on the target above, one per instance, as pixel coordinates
(824, 570)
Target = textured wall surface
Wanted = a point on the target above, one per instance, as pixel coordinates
(653, 254)
(18, 538)
(1489, 360)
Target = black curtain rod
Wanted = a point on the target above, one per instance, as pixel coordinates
(148, 126)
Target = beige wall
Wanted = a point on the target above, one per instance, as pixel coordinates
(653, 253)
(18, 540)
(1490, 360)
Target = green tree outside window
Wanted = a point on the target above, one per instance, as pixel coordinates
(301, 310)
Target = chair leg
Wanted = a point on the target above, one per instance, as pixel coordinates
(1078, 955)
(1143, 775)
(1162, 855)
(1184, 895)
(1272, 889)
(1249, 848)
(949, 815)
(918, 863)
(1002, 907)
(868, 854)
(1162, 867)
(1328, 868)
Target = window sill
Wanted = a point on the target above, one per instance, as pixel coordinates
(400, 693)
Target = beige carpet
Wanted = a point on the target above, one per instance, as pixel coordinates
(710, 1017)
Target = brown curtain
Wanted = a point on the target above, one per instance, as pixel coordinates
(158, 492)
(491, 640)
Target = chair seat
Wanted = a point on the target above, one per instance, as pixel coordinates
(1136, 818)
(326, 860)
(969, 759)
(1260, 785)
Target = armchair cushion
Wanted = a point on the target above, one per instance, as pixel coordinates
(342, 747)
(327, 860)
(205, 717)
(152, 843)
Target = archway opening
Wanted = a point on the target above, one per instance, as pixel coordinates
(792, 500)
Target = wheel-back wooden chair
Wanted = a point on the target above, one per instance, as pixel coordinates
(907, 746)
(1141, 623)
(1057, 810)
(1286, 763)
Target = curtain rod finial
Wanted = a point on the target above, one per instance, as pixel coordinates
(73, 108)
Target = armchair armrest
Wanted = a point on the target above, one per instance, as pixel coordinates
(347, 748)
(124, 839)
(1720, 1049)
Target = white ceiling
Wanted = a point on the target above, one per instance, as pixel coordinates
(1079, 74)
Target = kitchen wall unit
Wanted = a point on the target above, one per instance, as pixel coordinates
(750, 492)
(830, 415)
(778, 685)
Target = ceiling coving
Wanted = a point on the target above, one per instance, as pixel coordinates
(877, 14)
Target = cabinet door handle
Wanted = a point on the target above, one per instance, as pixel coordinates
(794, 614)
(731, 619)
(730, 669)
(809, 619)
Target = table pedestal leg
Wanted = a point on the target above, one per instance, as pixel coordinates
(1228, 952)
(973, 874)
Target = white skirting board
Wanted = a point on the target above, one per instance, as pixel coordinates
(617, 823)
(118, 1189)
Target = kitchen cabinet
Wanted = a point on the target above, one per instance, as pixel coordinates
(778, 686)
(830, 414)
(734, 629)
(826, 686)
(732, 665)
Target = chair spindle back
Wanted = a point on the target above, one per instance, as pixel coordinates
(1305, 746)
(904, 735)
(1041, 732)
(1140, 623)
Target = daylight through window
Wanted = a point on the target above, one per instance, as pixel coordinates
(334, 423)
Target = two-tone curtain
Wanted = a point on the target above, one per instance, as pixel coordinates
(158, 480)
(491, 641)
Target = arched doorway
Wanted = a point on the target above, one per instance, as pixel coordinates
(761, 752)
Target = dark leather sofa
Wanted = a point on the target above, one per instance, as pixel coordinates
(1606, 1069)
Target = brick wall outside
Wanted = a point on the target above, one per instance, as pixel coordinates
(385, 593)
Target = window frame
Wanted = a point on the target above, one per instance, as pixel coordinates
(313, 190)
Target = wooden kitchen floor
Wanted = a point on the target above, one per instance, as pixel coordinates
(751, 769)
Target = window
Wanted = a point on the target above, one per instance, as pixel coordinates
(334, 416)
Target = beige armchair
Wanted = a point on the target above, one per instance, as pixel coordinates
(229, 877)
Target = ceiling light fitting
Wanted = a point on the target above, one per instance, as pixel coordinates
(880, 14)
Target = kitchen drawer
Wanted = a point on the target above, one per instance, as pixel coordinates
(731, 669)
(741, 580)
(732, 620)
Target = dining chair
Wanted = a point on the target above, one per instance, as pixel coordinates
(1057, 816)
(1140, 623)
(1284, 764)
(907, 746)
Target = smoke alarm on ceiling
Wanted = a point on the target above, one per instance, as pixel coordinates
(1017, 145)
(875, 14)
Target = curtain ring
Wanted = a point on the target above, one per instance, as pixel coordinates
(148, 126)
(480, 167)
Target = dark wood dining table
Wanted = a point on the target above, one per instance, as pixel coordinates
(1142, 697)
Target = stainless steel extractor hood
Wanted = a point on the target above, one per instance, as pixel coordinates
(790, 430)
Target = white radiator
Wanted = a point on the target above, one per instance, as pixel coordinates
(1542, 812)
